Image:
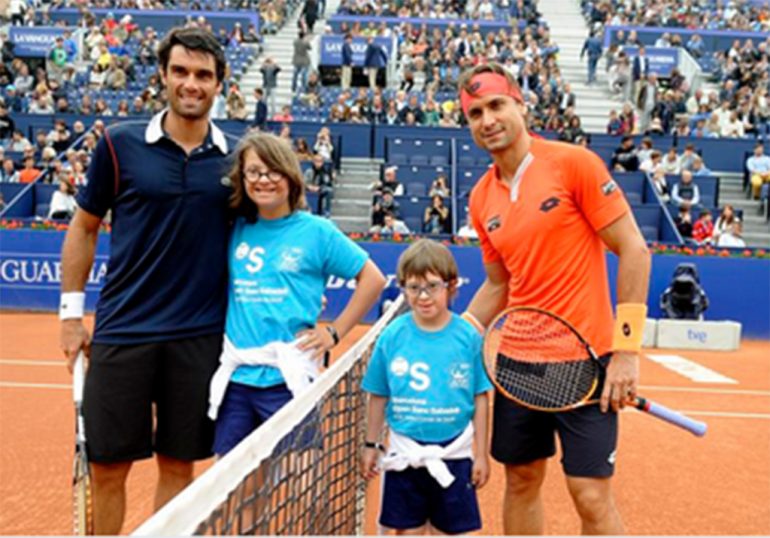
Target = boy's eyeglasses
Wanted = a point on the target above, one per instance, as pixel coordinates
(431, 288)
(253, 175)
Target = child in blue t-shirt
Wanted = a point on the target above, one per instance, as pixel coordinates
(279, 262)
(427, 380)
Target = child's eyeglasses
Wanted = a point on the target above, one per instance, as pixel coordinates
(431, 288)
(253, 175)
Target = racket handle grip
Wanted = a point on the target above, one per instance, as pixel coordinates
(677, 419)
(78, 377)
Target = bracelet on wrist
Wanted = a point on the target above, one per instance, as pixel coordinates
(335, 335)
(372, 444)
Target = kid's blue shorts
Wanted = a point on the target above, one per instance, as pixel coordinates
(412, 497)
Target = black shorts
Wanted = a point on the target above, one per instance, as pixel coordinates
(124, 381)
(588, 437)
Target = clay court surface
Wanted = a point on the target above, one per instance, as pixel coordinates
(667, 481)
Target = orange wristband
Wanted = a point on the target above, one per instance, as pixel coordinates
(473, 320)
(629, 327)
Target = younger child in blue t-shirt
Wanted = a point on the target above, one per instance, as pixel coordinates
(426, 378)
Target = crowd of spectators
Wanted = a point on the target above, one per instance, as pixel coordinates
(739, 107)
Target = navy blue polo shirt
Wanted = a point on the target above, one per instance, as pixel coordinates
(167, 273)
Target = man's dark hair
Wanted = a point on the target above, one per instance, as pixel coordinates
(193, 39)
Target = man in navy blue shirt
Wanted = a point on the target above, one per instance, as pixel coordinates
(160, 315)
(347, 62)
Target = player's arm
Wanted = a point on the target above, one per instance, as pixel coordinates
(480, 473)
(375, 420)
(624, 239)
(369, 285)
(77, 258)
(492, 295)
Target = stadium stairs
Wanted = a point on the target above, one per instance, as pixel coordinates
(569, 31)
(280, 47)
(351, 207)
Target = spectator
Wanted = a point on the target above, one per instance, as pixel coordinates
(29, 173)
(624, 158)
(703, 229)
(384, 204)
(733, 127)
(651, 164)
(302, 150)
(347, 62)
(260, 110)
(467, 231)
(301, 62)
(640, 71)
(391, 225)
(62, 205)
(390, 182)
(7, 125)
(758, 167)
(310, 14)
(439, 187)
(615, 125)
(687, 157)
(284, 116)
(658, 178)
(619, 78)
(732, 238)
(592, 46)
(235, 104)
(629, 119)
(699, 168)
(319, 178)
(573, 131)
(685, 192)
(670, 163)
(436, 217)
(724, 222)
(323, 144)
(647, 100)
(375, 59)
(8, 173)
(683, 222)
(270, 72)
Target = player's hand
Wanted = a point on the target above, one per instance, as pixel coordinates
(369, 463)
(480, 472)
(317, 340)
(620, 385)
(73, 338)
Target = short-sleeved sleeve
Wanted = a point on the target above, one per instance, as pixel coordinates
(596, 193)
(343, 258)
(376, 379)
(488, 252)
(481, 379)
(98, 195)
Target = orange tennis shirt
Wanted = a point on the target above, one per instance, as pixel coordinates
(544, 230)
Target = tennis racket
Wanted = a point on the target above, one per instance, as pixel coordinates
(540, 361)
(81, 475)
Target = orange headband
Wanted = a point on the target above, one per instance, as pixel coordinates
(488, 84)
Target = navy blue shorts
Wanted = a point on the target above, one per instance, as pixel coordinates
(412, 497)
(243, 410)
(588, 437)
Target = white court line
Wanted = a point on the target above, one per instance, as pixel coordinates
(690, 369)
(13, 385)
(11, 362)
(718, 414)
(705, 390)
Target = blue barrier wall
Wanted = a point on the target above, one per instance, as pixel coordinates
(738, 289)
(712, 39)
(484, 26)
(162, 20)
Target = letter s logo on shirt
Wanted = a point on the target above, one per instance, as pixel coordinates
(420, 378)
(257, 262)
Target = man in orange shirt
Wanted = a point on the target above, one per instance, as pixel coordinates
(29, 173)
(545, 212)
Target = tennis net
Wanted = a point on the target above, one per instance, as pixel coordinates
(298, 474)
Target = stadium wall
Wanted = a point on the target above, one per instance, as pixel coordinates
(738, 289)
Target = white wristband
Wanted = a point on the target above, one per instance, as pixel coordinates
(72, 305)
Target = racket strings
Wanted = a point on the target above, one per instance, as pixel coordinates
(539, 360)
